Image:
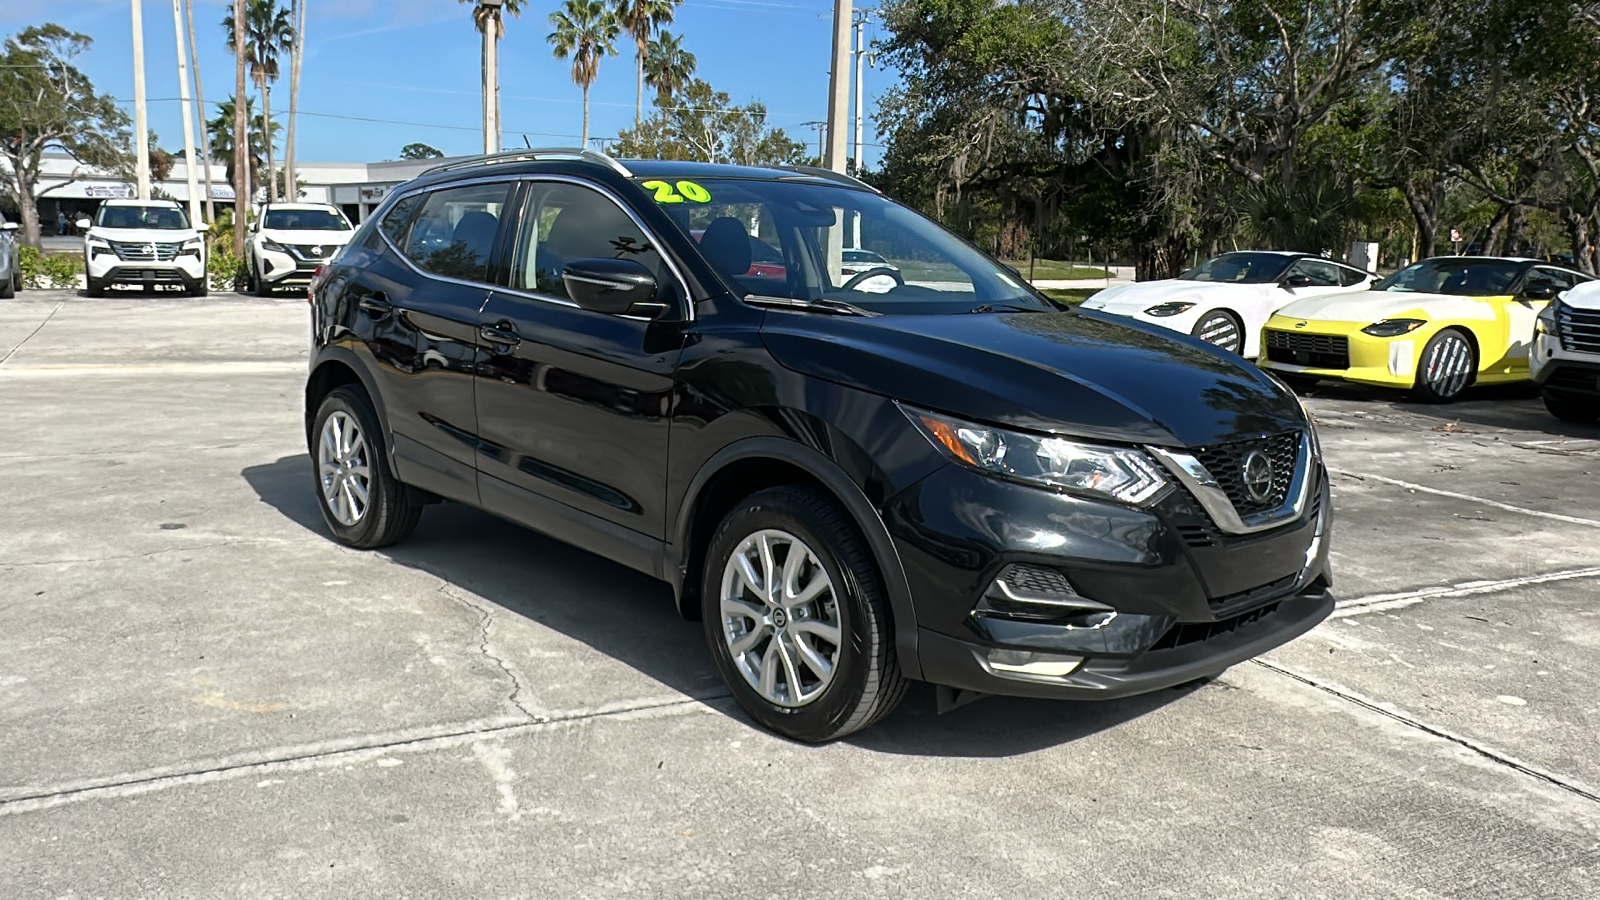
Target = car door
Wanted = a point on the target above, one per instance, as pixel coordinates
(420, 308)
(573, 405)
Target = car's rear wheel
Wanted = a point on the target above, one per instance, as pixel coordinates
(1445, 368)
(1569, 408)
(1222, 328)
(797, 617)
(362, 502)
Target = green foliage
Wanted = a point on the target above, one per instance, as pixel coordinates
(40, 271)
(1311, 215)
(226, 271)
(585, 32)
(703, 125)
(221, 129)
(667, 66)
(418, 150)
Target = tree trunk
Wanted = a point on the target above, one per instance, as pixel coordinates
(1583, 251)
(266, 138)
(1425, 210)
(585, 144)
(1494, 237)
(27, 202)
(241, 134)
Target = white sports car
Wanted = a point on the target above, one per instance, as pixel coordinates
(1226, 300)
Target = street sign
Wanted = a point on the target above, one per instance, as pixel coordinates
(1455, 236)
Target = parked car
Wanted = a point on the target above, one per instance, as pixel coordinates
(146, 243)
(10, 263)
(1225, 300)
(1566, 354)
(960, 484)
(288, 241)
(1435, 327)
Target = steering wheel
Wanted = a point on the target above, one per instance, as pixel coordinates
(859, 277)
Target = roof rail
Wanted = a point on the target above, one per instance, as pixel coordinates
(831, 175)
(535, 153)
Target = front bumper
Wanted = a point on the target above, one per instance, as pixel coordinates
(1342, 351)
(1188, 599)
(283, 270)
(1561, 371)
(106, 267)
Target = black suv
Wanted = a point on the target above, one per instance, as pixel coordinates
(920, 470)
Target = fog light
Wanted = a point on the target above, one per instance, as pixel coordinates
(1032, 663)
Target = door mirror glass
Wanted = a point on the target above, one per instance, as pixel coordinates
(614, 286)
(84, 224)
(1297, 280)
(1542, 290)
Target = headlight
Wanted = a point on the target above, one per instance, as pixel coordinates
(1120, 473)
(1545, 322)
(270, 244)
(1393, 327)
(96, 240)
(1162, 310)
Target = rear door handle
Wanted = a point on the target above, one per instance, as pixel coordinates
(376, 304)
(503, 334)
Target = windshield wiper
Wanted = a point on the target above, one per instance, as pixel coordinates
(821, 305)
(1005, 307)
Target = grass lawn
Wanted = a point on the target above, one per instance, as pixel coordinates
(1073, 296)
(1051, 270)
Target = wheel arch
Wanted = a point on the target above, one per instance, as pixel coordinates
(754, 464)
(337, 366)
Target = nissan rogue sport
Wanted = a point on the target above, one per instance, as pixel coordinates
(855, 477)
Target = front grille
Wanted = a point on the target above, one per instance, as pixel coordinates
(309, 252)
(1579, 329)
(148, 251)
(1229, 603)
(1226, 463)
(1319, 351)
(1197, 535)
(1183, 633)
(1574, 381)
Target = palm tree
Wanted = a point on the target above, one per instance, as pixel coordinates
(667, 66)
(642, 19)
(584, 31)
(269, 33)
(482, 16)
(220, 132)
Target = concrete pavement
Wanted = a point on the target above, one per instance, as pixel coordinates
(201, 695)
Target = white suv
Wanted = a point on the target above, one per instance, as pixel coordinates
(143, 243)
(1566, 354)
(288, 241)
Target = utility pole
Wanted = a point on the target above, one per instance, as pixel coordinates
(200, 98)
(296, 51)
(491, 75)
(833, 156)
(861, 56)
(141, 131)
(189, 161)
(822, 136)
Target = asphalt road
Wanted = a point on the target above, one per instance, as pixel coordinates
(203, 696)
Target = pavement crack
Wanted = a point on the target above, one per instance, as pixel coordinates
(1563, 782)
(1385, 602)
(46, 321)
(485, 625)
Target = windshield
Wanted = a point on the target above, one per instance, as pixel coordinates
(305, 220)
(810, 240)
(1462, 277)
(1241, 268)
(165, 218)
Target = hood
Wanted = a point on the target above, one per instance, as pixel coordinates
(144, 235)
(1083, 374)
(1141, 295)
(309, 238)
(1367, 307)
(1584, 296)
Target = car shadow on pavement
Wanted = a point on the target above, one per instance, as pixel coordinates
(631, 618)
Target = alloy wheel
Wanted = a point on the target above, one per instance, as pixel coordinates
(1222, 331)
(1449, 365)
(780, 618)
(343, 466)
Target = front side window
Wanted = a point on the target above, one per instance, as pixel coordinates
(808, 241)
(164, 218)
(1460, 277)
(453, 234)
(305, 220)
(562, 223)
(1241, 268)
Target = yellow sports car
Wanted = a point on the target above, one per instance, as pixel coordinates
(1435, 327)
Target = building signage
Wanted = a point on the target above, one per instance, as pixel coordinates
(120, 191)
(373, 194)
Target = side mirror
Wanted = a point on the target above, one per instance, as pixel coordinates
(1539, 291)
(84, 224)
(613, 286)
(1297, 280)
(9, 226)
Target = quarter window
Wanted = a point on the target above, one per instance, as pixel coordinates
(454, 232)
(1322, 274)
(566, 222)
(394, 224)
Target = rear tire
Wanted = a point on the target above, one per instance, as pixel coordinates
(1445, 368)
(843, 629)
(1221, 328)
(362, 502)
(1567, 408)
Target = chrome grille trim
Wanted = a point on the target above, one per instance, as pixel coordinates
(1192, 474)
(1579, 329)
(146, 251)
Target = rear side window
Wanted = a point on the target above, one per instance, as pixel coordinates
(454, 232)
(1349, 276)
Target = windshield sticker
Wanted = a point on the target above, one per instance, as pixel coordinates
(685, 190)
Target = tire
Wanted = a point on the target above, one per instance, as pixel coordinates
(95, 288)
(261, 289)
(9, 289)
(1445, 368)
(16, 279)
(864, 682)
(199, 289)
(251, 284)
(392, 509)
(1568, 408)
(1220, 328)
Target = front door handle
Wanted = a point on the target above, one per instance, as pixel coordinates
(376, 304)
(503, 334)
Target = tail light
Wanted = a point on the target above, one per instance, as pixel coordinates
(316, 282)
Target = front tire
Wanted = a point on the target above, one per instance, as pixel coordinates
(262, 289)
(1446, 367)
(797, 617)
(1221, 328)
(362, 502)
(9, 289)
(95, 287)
(1567, 408)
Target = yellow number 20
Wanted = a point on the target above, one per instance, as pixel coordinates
(685, 190)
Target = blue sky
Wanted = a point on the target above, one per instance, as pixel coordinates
(417, 62)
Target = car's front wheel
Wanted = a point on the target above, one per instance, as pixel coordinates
(1221, 328)
(797, 617)
(1445, 368)
(1568, 408)
(362, 502)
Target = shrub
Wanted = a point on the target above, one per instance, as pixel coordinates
(226, 271)
(40, 271)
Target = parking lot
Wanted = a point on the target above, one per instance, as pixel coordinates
(201, 695)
